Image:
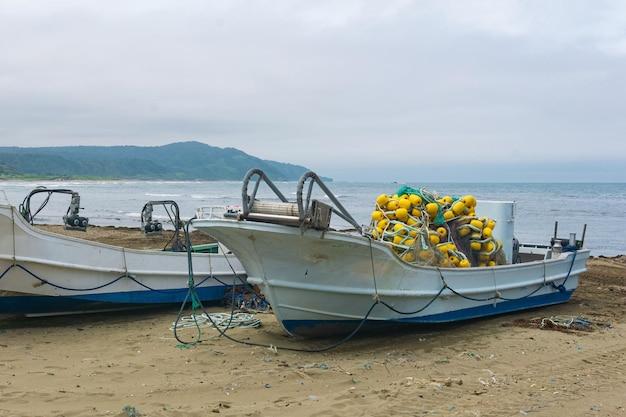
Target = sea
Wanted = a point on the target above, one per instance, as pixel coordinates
(601, 206)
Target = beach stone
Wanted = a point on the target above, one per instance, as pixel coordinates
(313, 398)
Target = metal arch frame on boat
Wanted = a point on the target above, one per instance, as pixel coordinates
(175, 220)
(24, 207)
(304, 204)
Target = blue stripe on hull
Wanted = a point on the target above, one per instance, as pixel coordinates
(33, 304)
(317, 327)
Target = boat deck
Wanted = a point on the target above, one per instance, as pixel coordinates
(127, 237)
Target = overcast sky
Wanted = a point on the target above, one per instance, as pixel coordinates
(371, 90)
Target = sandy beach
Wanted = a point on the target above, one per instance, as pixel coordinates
(128, 364)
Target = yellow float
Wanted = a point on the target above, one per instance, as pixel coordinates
(424, 228)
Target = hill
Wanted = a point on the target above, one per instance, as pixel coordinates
(176, 161)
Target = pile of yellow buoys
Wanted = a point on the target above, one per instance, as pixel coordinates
(424, 228)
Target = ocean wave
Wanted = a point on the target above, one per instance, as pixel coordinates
(212, 197)
(136, 215)
(162, 195)
(338, 196)
(318, 194)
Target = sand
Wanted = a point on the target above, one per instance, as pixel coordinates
(95, 365)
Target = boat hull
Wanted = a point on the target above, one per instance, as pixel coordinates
(321, 282)
(59, 304)
(316, 327)
(43, 272)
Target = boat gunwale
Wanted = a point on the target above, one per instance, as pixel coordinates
(364, 241)
(36, 231)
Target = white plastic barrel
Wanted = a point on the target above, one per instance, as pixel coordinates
(503, 212)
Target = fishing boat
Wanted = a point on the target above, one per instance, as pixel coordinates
(48, 273)
(319, 280)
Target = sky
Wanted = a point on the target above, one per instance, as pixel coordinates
(356, 90)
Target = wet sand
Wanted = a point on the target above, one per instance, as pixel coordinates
(95, 365)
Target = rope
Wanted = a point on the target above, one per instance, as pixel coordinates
(61, 287)
(222, 331)
(558, 321)
(432, 300)
(6, 271)
(13, 234)
(376, 297)
(124, 257)
(562, 286)
(221, 320)
(495, 284)
(129, 276)
(570, 322)
(390, 307)
(452, 290)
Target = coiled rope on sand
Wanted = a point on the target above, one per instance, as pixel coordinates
(222, 321)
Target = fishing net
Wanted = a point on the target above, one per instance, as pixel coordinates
(424, 228)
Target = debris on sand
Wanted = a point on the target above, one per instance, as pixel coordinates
(130, 411)
(564, 323)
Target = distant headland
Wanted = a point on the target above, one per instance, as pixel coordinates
(176, 161)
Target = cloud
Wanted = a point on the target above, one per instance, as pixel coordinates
(353, 89)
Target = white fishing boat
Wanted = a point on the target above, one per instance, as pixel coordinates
(43, 273)
(319, 280)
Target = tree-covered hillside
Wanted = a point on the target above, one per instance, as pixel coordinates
(176, 161)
